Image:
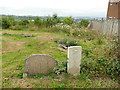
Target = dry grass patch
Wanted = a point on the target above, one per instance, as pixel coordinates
(9, 46)
(23, 83)
(17, 32)
(46, 37)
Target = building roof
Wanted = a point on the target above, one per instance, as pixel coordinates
(114, 0)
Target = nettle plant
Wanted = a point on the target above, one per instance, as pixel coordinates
(61, 68)
(101, 65)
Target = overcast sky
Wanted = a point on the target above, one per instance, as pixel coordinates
(61, 7)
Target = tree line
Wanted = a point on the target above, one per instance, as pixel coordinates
(8, 21)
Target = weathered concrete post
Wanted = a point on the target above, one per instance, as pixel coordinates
(74, 60)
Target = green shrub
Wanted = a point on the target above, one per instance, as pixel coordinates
(0, 21)
(55, 29)
(44, 22)
(99, 41)
(63, 41)
(23, 22)
(12, 20)
(55, 19)
(87, 52)
(5, 22)
(30, 19)
(71, 42)
(62, 67)
(37, 21)
(76, 33)
(67, 20)
(68, 42)
(20, 74)
(83, 23)
(56, 40)
(49, 22)
(91, 38)
(66, 31)
(79, 33)
(16, 27)
(60, 30)
(100, 66)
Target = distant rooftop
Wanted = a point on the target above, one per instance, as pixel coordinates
(114, 0)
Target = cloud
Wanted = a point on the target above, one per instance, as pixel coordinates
(61, 7)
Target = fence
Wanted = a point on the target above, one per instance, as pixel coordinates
(109, 27)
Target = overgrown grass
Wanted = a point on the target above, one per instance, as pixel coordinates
(99, 64)
(67, 42)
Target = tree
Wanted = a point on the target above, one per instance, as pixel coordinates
(43, 21)
(12, 20)
(5, 22)
(49, 22)
(67, 20)
(37, 21)
(30, 19)
(23, 21)
(84, 23)
(55, 16)
(0, 22)
(55, 19)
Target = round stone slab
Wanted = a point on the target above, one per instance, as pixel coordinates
(38, 64)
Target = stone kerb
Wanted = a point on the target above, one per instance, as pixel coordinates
(74, 60)
(38, 64)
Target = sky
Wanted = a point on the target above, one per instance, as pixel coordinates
(91, 8)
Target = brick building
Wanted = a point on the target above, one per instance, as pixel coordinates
(113, 9)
